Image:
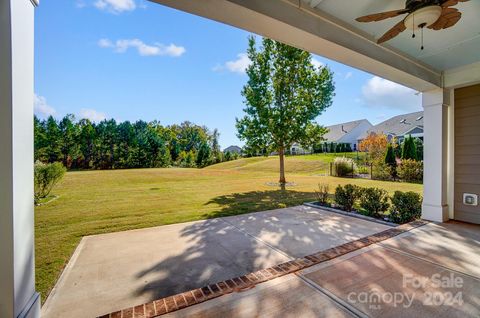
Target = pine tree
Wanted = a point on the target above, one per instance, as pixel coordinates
(391, 161)
(409, 149)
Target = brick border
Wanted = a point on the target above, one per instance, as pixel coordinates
(192, 297)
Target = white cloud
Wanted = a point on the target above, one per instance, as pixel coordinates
(348, 75)
(236, 66)
(104, 43)
(317, 63)
(115, 6)
(41, 108)
(157, 49)
(382, 93)
(92, 114)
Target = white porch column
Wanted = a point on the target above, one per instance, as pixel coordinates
(435, 104)
(18, 297)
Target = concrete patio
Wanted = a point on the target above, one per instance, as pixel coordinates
(113, 271)
(403, 267)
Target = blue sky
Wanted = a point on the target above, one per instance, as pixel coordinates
(133, 59)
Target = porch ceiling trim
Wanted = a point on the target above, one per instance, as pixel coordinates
(309, 29)
(462, 76)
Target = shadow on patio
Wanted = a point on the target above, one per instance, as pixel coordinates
(223, 248)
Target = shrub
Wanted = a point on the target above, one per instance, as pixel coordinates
(322, 193)
(406, 207)
(343, 166)
(411, 170)
(346, 196)
(46, 176)
(381, 171)
(374, 201)
(363, 169)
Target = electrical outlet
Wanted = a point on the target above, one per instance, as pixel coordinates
(470, 199)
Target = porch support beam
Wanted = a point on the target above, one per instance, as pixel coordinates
(436, 105)
(18, 297)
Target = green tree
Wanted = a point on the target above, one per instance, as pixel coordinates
(391, 161)
(109, 144)
(68, 139)
(216, 153)
(283, 96)
(190, 159)
(409, 149)
(86, 139)
(203, 156)
(53, 140)
(419, 146)
(106, 141)
(126, 145)
(40, 142)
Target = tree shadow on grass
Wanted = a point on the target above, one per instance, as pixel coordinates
(254, 201)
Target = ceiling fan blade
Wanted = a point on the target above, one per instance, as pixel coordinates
(381, 16)
(449, 17)
(393, 32)
(451, 3)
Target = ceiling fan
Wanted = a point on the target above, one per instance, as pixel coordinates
(433, 14)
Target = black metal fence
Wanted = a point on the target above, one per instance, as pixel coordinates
(359, 170)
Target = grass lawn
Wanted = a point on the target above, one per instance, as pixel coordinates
(93, 202)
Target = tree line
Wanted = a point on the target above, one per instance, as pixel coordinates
(109, 144)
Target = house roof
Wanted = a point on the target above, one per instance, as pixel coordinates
(233, 148)
(336, 132)
(398, 125)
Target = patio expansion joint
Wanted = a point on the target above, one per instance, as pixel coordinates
(396, 250)
(337, 300)
(238, 284)
(260, 240)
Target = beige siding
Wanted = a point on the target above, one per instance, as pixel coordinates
(467, 151)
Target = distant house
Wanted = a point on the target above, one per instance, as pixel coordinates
(399, 127)
(347, 133)
(233, 149)
(297, 149)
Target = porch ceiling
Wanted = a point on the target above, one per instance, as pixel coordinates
(444, 49)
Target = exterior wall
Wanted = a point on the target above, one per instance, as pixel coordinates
(354, 134)
(467, 151)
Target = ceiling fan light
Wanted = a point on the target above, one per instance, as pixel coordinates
(425, 16)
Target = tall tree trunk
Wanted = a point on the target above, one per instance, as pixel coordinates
(281, 153)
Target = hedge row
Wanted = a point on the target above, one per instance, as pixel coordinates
(402, 207)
